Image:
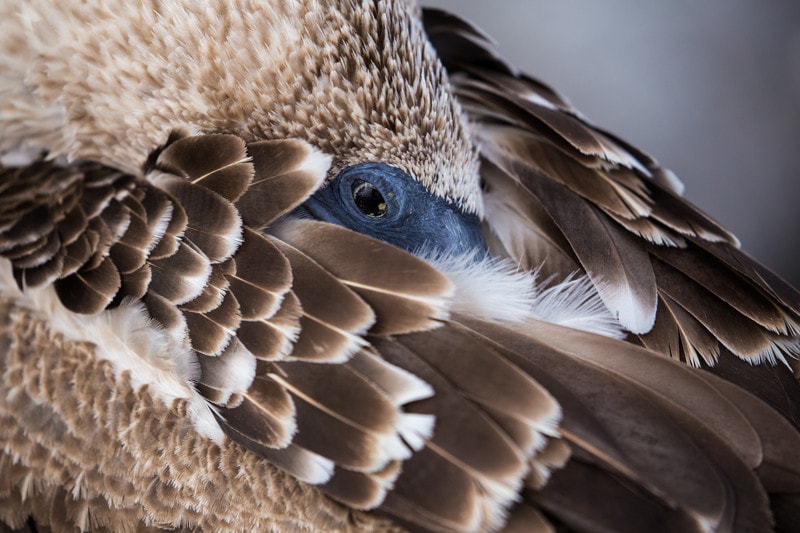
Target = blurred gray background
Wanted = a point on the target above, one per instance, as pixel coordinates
(709, 88)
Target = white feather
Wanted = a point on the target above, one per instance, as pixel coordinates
(400, 385)
(415, 429)
(494, 289)
(130, 341)
(232, 371)
(630, 310)
(303, 464)
(575, 303)
(20, 157)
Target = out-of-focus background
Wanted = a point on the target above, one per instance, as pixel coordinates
(710, 89)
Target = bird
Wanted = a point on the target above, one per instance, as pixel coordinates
(339, 266)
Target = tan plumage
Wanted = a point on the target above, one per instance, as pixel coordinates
(177, 353)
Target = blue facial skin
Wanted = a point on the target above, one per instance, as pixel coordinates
(386, 203)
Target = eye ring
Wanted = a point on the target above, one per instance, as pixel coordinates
(368, 199)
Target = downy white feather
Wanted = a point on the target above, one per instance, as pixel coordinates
(494, 289)
(130, 341)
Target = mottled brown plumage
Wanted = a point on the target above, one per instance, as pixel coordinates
(177, 353)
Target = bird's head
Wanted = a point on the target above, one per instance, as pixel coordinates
(357, 79)
(378, 100)
(384, 202)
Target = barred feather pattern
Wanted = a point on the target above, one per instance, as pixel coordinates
(563, 195)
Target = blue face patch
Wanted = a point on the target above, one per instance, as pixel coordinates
(386, 203)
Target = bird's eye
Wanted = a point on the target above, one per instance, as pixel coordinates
(369, 199)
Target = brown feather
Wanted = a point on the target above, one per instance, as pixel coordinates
(676, 213)
(170, 240)
(266, 340)
(72, 225)
(318, 341)
(213, 293)
(615, 262)
(265, 416)
(135, 284)
(273, 338)
(679, 335)
(35, 253)
(773, 383)
(584, 498)
(334, 316)
(621, 196)
(652, 231)
(129, 253)
(727, 285)
(43, 274)
(261, 278)
(730, 327)
(757, 273)
(181, 277)
(406, 295)
(214, 226)
(527, 519)
(27, 228)
(331, 436)
(666, 379)
(101, 238)
(285, 176)
(399, 385)
(524, 228)
(438, 496)
(779, 466)
(165, 313)
(488, 380)
(115, 219)
(616, 208)
(359, 490)
(323, 296)
(216, 162)
(360, 402)
(211, 332)
(553, 456)
(78, 252)
(469, 452)
(344, 417)
(634, 415)
(89, 291)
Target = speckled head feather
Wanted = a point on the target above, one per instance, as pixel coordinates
(357, 79)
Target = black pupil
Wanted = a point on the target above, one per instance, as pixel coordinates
(369, 199)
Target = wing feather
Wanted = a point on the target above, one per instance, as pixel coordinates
(617, 265)
(608, 209)
(334, 317)
(583, 365)
(286, 173)
(336, 358)
(406, 295)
